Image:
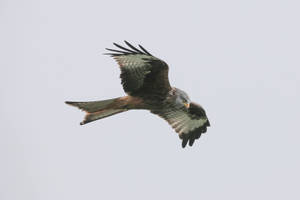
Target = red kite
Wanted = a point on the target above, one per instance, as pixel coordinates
(145, 80)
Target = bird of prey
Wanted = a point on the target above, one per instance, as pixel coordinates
(144, 78)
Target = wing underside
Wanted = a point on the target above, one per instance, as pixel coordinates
(187, 123)
(141, 73)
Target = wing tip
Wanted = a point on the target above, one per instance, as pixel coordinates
(191, 137)
(70, 103)
(126, 51)
(184, 143)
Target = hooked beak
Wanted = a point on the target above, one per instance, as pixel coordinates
(187, 105)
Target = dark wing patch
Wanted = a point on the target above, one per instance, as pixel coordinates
(141, 73)
(189, 124)
(197, 110)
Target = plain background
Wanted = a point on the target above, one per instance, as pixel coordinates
(238, 59)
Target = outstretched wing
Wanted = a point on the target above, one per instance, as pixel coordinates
(188, 123)
(141, 73)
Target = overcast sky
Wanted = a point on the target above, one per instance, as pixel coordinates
(238, 59)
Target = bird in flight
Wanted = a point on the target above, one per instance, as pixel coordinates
(145, 81)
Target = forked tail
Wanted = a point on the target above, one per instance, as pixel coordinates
(99, 109)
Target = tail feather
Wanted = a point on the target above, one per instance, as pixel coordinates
(92, 106)
(98, 109)
(89, 117)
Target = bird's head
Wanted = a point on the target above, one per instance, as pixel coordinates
(182, 99)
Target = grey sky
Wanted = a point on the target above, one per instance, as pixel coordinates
(238, 59)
